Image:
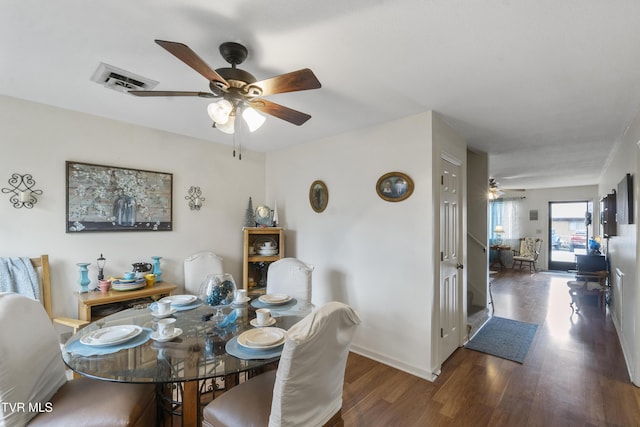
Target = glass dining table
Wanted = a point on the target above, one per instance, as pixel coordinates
(204, 358)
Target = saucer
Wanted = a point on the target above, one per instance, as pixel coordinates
(176, 333)
(242, 301)
(254, 322)
(163, 315)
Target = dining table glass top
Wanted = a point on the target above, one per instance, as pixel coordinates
(198, 351)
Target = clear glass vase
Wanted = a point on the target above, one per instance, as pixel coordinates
(218, 289)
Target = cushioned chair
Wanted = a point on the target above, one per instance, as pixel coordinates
(529, 252)
(32, 374)
(290, 276)
(197, 267)
(306, 389)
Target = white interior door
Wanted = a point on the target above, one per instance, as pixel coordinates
(450, 266)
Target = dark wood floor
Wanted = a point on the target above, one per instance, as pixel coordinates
(574, 373)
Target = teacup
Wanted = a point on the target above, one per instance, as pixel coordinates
(104, 285)
(267, 245)
(163, 307)
(240, 296)
(263, 316)
(166, 327)
(129, 275)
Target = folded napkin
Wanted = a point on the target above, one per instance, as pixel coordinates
(236, 350)
(256, 303)
(228, 320)
(76, 347)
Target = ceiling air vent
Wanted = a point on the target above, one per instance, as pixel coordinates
(121, 80)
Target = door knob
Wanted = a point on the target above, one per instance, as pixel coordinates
(459, 266)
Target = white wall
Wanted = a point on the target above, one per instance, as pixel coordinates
(623, 250)
(38, 139)
(374, 255)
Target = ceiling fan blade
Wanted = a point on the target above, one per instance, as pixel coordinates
(296, 80)
(170, 93)
(280, 111)
(189, 57)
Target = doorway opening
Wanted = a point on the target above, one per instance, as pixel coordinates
(570, 225)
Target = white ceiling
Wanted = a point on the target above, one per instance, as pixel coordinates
(546, 87)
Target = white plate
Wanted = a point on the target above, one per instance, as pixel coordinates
(111, 335)
(254, 322)
(127, 286)
(163, 315)
(253, 338)
(180, 299)
(176, 333)
(274, 299)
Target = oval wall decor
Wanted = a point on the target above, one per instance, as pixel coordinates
(394, 186)
(318, 196)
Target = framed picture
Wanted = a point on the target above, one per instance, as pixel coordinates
(318, 196)
(394, 186)
(533, 215)
(109, 198)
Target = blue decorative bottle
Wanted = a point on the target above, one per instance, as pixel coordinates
(156, 268)
(84, 280)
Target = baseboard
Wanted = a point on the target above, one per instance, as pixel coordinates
(625, 350)
(394, 363)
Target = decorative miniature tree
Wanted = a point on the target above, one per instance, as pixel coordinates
(249, 216)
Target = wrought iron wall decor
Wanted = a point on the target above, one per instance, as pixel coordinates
(194, 196)
(23, 194)
(109, 198)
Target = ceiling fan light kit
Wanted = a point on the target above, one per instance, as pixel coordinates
(241, 93)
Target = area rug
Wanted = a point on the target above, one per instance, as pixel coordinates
(505, 338)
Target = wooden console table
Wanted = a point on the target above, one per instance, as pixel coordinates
(95, 298)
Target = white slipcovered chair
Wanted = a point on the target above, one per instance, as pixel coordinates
(290, 276)
(306, 389)
(528, 252)
(197, 267)
(32, 374)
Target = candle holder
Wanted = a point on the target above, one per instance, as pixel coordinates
(84, 280)
(194, 196)
(156, 268)
(23, 194)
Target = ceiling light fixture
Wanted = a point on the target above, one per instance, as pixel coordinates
(223, 112)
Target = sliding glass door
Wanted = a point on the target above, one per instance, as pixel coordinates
(569, 232)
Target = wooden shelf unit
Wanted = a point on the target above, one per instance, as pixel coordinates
(251, 274)
(95, 298)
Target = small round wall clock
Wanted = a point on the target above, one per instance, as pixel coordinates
(264, 216)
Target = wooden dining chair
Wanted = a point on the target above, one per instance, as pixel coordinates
(41, 265)
(32, 373)
(290, 276)
(306, 389)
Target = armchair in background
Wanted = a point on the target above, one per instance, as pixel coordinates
(528, 252)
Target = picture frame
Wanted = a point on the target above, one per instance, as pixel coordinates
(318, 196)
(394, 186)
(111, 198)
(624, 200)
(533, 215)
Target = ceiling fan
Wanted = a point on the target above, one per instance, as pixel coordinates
(241, 93)
(495, 192)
